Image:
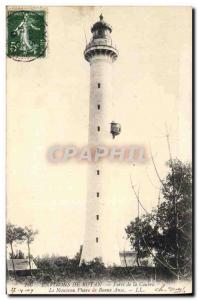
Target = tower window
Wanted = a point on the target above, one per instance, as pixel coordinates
(98, 106)
(97, 217)
(99, 85)
(98, 172)
(97, 240)
(97, 194)
(98, 128)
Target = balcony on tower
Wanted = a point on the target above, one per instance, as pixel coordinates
(115, 129)
(101, 42)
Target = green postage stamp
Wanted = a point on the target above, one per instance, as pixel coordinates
(26, 34)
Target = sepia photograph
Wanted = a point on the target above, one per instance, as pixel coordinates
(99, 150)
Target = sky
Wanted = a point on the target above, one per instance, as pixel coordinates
(47, 104)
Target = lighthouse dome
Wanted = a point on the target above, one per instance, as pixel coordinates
(101, 26)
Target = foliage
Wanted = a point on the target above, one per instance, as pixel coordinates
(13, 234)
(18, 255)
(94, 268)
(60, 269)
(166, 232)
(56, 269)
(29, 234)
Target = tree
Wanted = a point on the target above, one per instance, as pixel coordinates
(176, 215)
(18, 255)
(166, 232)
(13, 234)
(28, 236)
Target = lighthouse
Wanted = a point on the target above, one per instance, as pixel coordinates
(100, 240)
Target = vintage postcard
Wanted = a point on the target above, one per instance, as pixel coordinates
(99, 150)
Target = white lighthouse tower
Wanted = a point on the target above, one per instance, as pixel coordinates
(100, 240)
